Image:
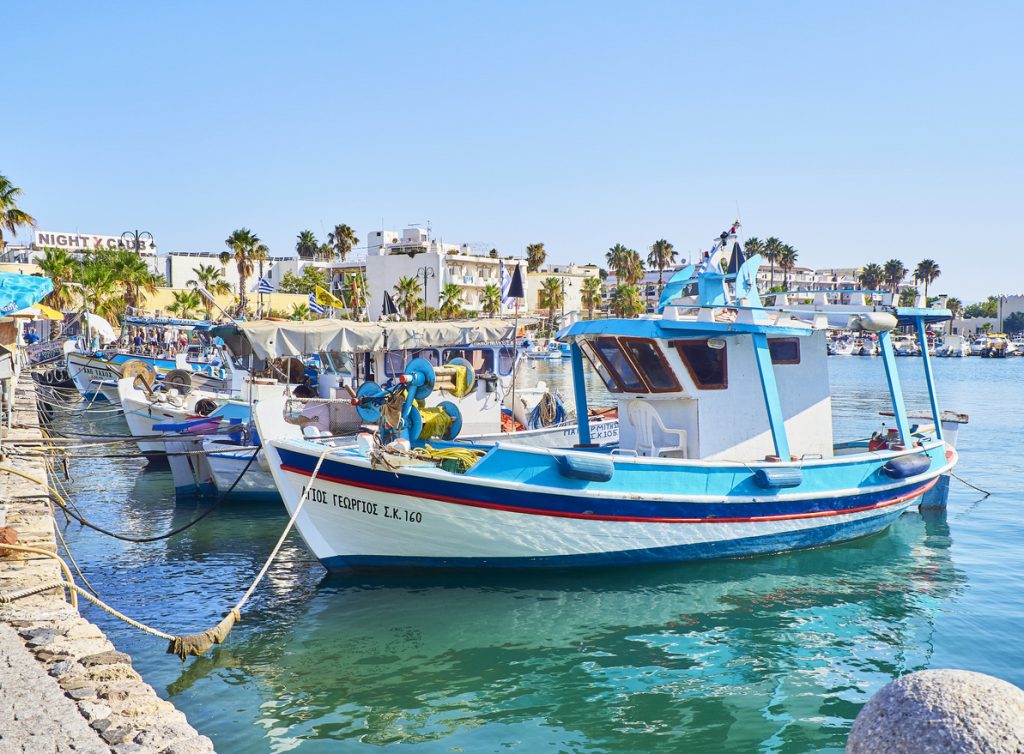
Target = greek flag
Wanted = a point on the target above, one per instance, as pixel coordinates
(264, 286)
(315, 307)
(506, 282)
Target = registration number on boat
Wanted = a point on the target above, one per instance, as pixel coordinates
(366, 507)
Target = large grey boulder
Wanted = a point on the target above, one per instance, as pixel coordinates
(941, 712)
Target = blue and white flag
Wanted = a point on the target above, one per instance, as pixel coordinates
(315, 307)
(264, 286)
(506, 282)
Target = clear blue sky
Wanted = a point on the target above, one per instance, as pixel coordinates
(856, 132)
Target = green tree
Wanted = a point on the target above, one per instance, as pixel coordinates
(451, 301)
(62, 268)
(300, 311)
(535, 256)
(552, 296)
(185, 304)
(871, 276)
(407, 295)
(245, 247)
(305, 282)
(1014, 323)
(988, 308)
(135, 276)
(908, 296)
(662, 256)
(306, 245)
(772, 251)
(787, 261)
(591, 295)
(626, 264)
(11, 216)
(491, 297)
(210, 277)
(893, 274)
(626, 301)
(342, 240)
(926, 272)
(955, 306)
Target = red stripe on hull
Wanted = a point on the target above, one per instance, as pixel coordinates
(599, 517)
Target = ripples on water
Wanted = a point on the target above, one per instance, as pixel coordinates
(771, 654)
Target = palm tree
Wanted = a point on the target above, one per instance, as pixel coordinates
(211, 278)
(300, 311)
(306, 245)
(552, 296)
(591, 295)
(753, 246)
(626, 301)
(243, 243)
(893, 274)
(185, 304)
(407, 293)
(62, 268)
(451, 301)
(135, 276)
(773, 253)
(787, 261)
(342, 240)
(871, 277)
(908, 296)
(102, 291)
(535, 256)
(625, 263)
(926, 272)
(662, 255)
(10, 216)
(956, 307)
(491, 299)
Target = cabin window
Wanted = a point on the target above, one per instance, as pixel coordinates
(784, 350)
(707, 366)
(619, 365)
(505, 359)
(599, 367)
(481, 359)
(650, 363)
(395, 361)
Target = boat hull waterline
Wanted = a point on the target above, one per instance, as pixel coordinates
(358, 517)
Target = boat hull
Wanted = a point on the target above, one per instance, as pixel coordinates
(356, 517)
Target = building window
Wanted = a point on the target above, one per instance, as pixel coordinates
(650, 364)
(784, 350)
(707, 366)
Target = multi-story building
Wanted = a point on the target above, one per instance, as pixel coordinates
(391, 256)
(570, 277)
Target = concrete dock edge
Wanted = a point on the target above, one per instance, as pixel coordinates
(63, 685)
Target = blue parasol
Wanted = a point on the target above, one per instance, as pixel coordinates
(19, 292)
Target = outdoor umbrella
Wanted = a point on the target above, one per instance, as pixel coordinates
(21, 291)
(389, 305)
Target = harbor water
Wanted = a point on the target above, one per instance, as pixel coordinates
(768, 654)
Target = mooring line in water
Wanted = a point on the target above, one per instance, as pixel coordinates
(183, 646)
(986, 493)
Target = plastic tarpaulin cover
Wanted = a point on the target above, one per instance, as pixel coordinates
(272, 339)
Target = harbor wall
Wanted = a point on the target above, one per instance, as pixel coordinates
(63, 685)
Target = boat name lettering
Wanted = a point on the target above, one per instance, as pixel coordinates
(364, 506)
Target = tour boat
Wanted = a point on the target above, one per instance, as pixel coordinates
(725, 448)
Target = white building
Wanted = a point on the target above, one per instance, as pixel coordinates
(392, 256)
(571, 278)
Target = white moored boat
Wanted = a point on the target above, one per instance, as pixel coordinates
(726, 449)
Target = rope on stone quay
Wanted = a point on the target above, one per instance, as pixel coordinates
(183, 646)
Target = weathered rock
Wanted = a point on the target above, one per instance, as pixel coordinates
(81, 693)
(941, 712)
(197, 745)
(94, 711)
(110, 657)
(8, 536)
(62, 667)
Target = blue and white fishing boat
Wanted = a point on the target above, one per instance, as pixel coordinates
(725, 449)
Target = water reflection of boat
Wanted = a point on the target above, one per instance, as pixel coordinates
(707, 657)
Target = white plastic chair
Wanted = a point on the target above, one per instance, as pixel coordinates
(653, 438)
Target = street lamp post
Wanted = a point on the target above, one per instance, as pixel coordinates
(135, 238)
(426, 272)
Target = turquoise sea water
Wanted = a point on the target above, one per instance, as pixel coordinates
(770, 654)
